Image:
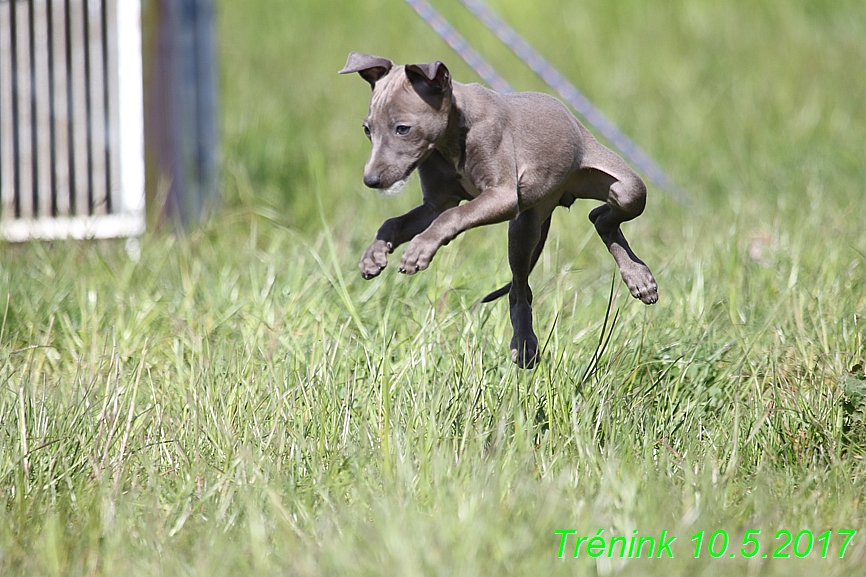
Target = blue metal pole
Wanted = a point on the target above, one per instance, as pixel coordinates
(181, 124)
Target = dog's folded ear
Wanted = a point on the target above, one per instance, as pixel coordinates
(432, 78)
(371, 68)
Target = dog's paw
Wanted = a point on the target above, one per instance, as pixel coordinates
(525, 352)
(641, 283)
(375, 259)
(417, 255)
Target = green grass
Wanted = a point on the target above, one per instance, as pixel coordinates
(238, 401)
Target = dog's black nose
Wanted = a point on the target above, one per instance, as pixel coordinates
(373, 180)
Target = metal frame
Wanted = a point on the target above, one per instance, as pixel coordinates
(71, 119)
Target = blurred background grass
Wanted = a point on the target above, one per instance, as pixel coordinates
(752, 108)
(737, 100)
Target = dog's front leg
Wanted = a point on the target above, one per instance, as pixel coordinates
(491, 206)
(394, 232)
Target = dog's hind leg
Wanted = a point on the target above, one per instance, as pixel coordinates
(526, 236)
(606, 177)
(625, 199)
(536, 254)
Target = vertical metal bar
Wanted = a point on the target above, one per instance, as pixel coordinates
(7, 120)
(4, 74)
(184, 84)
(51, 37)
(34, 130)
(79, 142)
(23, 112)
(41, 106)
(60, 108)
(130, 106)
(180, 114)
(96, 106)
(107, 75)
(88, 106)
(16, 150)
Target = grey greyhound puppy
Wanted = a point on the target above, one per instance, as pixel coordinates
(513, 157)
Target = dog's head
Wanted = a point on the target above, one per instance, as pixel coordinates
(408, 114)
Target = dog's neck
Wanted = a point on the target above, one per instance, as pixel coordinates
(452, 143)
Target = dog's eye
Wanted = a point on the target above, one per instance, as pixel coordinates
(367, 131)
(403, 130)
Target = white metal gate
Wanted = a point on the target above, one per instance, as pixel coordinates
(71, 128)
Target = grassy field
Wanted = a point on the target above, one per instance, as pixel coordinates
(239, 401)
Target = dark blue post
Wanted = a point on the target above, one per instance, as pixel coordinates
(180, 109)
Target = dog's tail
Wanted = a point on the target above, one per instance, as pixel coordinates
(498, 293)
